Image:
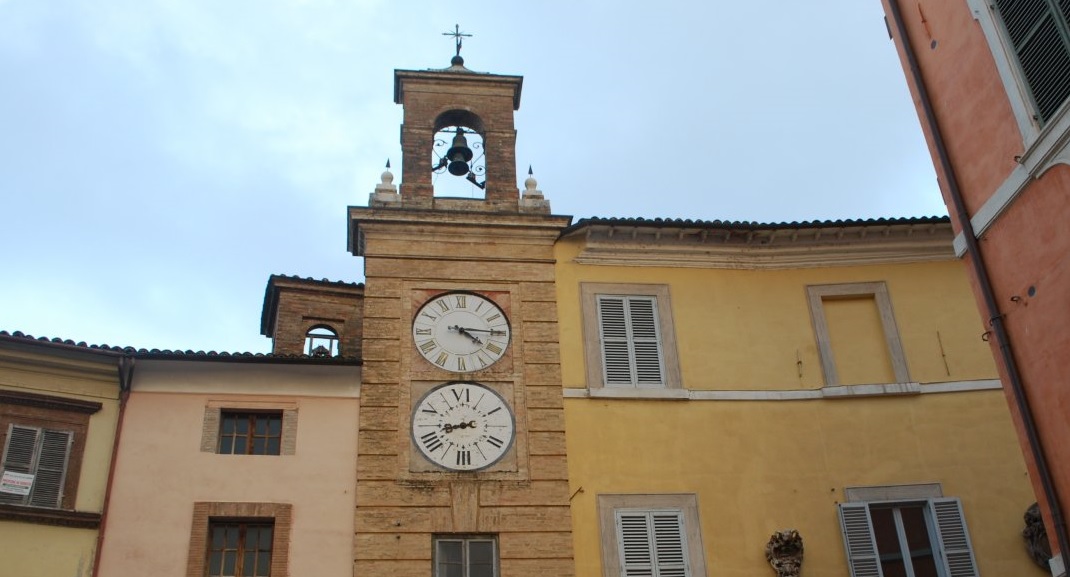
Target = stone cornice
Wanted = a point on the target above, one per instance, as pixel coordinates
(763, 248)
(49, 402)
(57, 517)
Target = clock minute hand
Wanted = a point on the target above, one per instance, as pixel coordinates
(464, 331)
(491, 331)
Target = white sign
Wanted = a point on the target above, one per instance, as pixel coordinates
(16, 483)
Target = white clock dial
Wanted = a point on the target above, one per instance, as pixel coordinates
(461, 332)
(463, 426)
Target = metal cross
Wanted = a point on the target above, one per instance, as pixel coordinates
(457, 35)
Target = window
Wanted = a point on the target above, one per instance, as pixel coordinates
(629, 336)
(321, 341)
(239, 549)
(249, 428)
(869, 346)
(651, 536)
(239, 539)
(466, 556)
(1039, 36)
(243, 433)
(42, 439)
(35, 464)
(907, 538)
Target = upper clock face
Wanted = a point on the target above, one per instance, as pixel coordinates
(463, 426)
(461, 332)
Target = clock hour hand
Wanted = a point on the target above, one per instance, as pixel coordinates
(448, 428)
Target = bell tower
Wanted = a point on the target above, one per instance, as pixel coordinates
(461, 441)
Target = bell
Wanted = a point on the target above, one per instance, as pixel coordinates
(459, 154)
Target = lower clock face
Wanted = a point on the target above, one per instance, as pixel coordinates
(463, 426)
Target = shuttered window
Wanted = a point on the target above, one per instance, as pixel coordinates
(1039, 33)
(652, 543)
(915, 539)
(631, 341)
(39, 455)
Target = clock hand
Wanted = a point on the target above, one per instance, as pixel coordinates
(464, 331)
(491, 331)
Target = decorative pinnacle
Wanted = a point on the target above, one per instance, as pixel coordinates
(457, 36)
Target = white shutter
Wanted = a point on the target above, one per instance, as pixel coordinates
(51, 468)
(859, 541)
(670, 544)
(652, 543)
(642, 312)
(631, 341)
(18, 456)
(957, 554)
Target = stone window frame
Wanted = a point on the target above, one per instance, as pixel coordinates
(685, 503)
(815, 296)
(589, 293)
(213, 420)
(281, 514)
(465, 538)
(59, 414)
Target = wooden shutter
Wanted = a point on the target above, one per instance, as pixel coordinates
(43, 453)
(1040, 35)
(652, 543)
(18, 456)
(631, 341)
(954, 538)
(51, 468)
(859, 541)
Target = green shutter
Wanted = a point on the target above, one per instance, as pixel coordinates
(859, 541)
(954, 538)
(1039, 33)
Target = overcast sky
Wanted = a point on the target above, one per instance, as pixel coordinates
(160, 159)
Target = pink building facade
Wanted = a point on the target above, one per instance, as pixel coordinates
(990, 81)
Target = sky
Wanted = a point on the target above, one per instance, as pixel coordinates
(160, 159)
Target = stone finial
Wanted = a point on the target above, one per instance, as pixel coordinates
(784, 551)
(532, 198)
(1036, 537)
(385, 191)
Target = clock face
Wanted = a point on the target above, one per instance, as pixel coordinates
(461, 332)
(462, 426)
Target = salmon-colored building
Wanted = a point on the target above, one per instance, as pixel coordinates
(990, 80)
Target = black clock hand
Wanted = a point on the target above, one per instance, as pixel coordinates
(464, 331)
(491, 331)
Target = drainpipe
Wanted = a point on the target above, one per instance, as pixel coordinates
(126, 376)
(995, 318)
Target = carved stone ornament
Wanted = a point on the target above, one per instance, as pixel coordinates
(1036, 537)
(784, 551)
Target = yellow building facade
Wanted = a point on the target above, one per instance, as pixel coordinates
(791, 369)
(59, 406)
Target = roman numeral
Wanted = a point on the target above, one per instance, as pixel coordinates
(494, 348)
(459, 394)
(480, 305)
(443, 305)
(459, 300)
(460, 364)
(419, 332)
(427, 346)
(495, 441)
(442, 358)
(429, 315)
(431, 441)
(493, 317)
(464, 457)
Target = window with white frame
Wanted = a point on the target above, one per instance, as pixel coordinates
(651, 536)
(908, 538)
(628, 335)
(1038, 34)
(466, 556)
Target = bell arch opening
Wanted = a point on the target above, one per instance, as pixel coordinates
(458, 160)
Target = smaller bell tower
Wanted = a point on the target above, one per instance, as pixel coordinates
(459, 124)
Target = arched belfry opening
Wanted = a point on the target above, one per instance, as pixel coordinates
(458, 155)
(458, 142)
